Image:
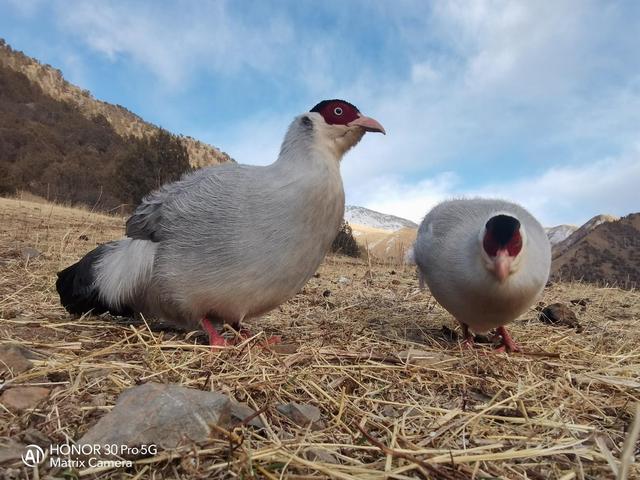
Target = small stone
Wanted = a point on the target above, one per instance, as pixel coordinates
(320, 455)
(242, 411)
(24, 398)
(163, 415)
(84, 238)
(13, 473)
(13, 360)
(99, 400)
(10, 450)
(301, 414)
(31, 436)
(390, 411)
(29, 253)
(395, 282)
(344, 281)
(284, 348)
(326, 293)
(560, 314)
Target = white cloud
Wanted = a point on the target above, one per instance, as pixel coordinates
(573, 194)
(555, 84)
(391, 195)
(561, 194)
(175, 43)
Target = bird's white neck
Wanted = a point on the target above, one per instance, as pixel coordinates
(309, 139)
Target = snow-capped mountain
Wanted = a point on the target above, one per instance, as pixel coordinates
(371, 218)
(558, 233)
(580, 233)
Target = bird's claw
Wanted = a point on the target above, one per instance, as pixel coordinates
(508, 344)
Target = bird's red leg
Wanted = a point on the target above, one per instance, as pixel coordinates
(468, 341)
(215, 339)
(508, 344)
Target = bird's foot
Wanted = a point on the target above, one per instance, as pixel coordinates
(469, 342)
(215, 339)
(508, 343)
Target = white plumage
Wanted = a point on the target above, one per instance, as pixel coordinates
(229, 242)
(485, 261)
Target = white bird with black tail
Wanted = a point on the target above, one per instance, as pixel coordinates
(485, 261)
(229, 242)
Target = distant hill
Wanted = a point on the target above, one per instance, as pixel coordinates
(579, 233)
(560, 232)
(124, 122)
(371, 218)
(607, 253)
(384, 245)
(59, 143)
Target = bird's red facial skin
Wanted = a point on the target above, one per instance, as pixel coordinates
(338, 113)
(491, 245)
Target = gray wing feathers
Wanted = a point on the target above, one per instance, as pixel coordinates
(146, 223)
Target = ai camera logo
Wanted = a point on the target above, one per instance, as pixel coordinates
(33, 456)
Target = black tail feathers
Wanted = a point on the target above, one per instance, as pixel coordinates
(77, 289)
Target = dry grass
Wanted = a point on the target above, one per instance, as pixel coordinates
(560, 412)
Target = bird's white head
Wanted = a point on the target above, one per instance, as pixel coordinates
(340, 125)
(502, 243)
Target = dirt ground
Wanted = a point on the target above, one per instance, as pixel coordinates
(561, 410)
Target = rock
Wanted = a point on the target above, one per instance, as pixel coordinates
(302, 414)
(344, 281)
(14, 474)
(161, 415)
(320, 455)
(418, 357)
(326, 293)
(13, 360)
(284, 348)
(560, 314)
(10, 450)
(240, 411)
(23, 398)
(99, 400)
(390, 411)
(29, 253)
(31, 436)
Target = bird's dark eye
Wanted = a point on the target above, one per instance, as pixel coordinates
(337, 111)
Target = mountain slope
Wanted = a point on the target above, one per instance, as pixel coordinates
(580, 233)
(124, 122)
(49, 148)
(383, 245)
(607, 254)
(373, 219)
(560, 232)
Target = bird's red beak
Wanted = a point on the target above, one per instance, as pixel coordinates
(368, 123)
(502, 264)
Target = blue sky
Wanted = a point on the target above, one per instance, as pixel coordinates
(536, 102)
